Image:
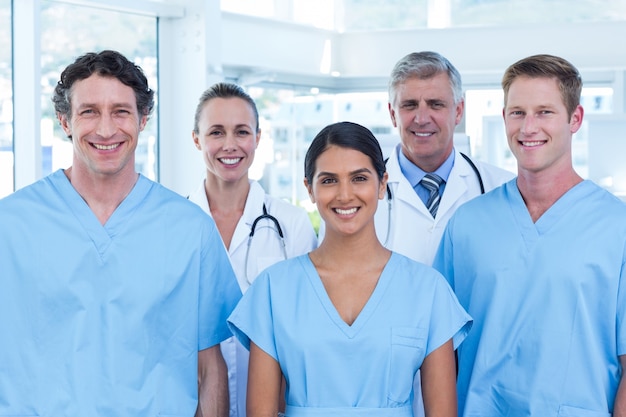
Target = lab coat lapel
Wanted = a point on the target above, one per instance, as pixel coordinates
(456, 186)
(403, 192)
(253, 209)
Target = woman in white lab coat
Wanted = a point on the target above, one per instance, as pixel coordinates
(227, 133)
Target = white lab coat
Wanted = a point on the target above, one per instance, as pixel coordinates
(413, 232)
(266, 250)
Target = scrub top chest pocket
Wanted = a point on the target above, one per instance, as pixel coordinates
(408, 347)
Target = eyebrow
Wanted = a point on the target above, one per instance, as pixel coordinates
(357, 171)
(115, 105)
(238, 126)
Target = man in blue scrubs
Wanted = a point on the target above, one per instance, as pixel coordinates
(115, 290)
(539, 263)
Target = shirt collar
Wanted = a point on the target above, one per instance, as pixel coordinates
(414, 174)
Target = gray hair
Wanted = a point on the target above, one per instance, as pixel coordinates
(424, 65)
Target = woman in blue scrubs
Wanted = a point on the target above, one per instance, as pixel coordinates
(349, 324)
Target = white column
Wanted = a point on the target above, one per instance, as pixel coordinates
(189, 62)
(26, 92)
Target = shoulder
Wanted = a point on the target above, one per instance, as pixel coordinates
(412, 277)
(285, 274)
(198, 195)
(491, 174)
(409, 268)
(598, 195)
(174, 207)
(486, 204)
(38, 194)
(281, 268)
(167, 196)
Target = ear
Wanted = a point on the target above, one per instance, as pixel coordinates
(258, 138)
(382, 188)
(309, 188)
(196, 140)
(65, 124)
(392, 114)
(143, 122)
(460, 108)
(576, 120)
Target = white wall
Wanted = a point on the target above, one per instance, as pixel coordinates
(199, 45)
(253, 50)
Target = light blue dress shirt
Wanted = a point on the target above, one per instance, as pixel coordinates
(414, 174)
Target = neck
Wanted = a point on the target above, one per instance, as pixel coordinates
(226, 196)
(348, 251)
(103, 193)
(541, 190)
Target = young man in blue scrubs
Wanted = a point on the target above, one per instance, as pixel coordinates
(539, 263)
(115, 290)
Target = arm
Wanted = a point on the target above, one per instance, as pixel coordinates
(213, 398)
(619, 408)
(439, 382)
(264, 384)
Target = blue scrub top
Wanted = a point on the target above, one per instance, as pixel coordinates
(107, 320)
(547, 300)
(339, 369)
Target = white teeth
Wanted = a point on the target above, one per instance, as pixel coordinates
(346, 212)
(230, 161)
(106, 147)
(531, 144)
(422, 134)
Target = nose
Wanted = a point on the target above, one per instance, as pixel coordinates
(344, 191)
(529, 125)
(421, 115)
(229, 143)
(106, 126)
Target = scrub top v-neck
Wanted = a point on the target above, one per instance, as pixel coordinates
(332, 367)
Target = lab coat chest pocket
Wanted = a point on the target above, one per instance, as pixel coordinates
(408, 346)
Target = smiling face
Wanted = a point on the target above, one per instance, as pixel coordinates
(227, 137)
(538, 128)
(104, 127)
(425, 114)
(346, 189)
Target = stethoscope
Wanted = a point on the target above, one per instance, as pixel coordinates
(276, 228)
(390, 195)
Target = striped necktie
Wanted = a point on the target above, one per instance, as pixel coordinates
(432, 182)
